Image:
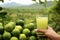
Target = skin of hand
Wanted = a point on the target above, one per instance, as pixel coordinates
(49, 33)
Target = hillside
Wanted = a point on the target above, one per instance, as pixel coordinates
(34, 6)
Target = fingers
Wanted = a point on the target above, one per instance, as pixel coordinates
(38, 30)
(43, 31)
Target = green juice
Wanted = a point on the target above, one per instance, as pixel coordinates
(42, 22)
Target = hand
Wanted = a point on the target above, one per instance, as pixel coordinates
(50, 33)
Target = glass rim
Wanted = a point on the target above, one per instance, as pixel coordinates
(41, 16)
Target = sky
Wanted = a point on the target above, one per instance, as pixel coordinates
(25, 2)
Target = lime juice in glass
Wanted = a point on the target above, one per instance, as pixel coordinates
(42, 22)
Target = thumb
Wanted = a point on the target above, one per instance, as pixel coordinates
(50, 28)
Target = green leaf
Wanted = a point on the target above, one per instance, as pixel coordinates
(41, 2)
(33, 0)
(45, 0)
(2, 0)
(1, 8)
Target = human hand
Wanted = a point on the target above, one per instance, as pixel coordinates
(49, 33)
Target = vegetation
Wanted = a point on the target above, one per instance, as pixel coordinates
(21, 23)
(54, 14)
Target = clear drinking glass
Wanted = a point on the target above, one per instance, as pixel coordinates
(42, 23)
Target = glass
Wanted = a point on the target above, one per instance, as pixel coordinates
(42, 22)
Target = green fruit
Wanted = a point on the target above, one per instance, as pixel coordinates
(19, 27)
(9, 27)
(0, 37)
(25, 26)
(1, 30)
(13, 38)
(20, 22)
(30, 26)
(26, 32)
(16, 32)
(22, 37)
(32, 38)
(34, 32)
(12, 23)
(6, 36)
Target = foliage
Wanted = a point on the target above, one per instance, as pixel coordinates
(30, 14)
(2, 0)
(54, 14)
(0, 8)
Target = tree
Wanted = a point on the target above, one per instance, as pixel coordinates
(55, 11)
(2, 0)
(2, 15)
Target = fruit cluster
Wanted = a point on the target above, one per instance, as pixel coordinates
(18, 31)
